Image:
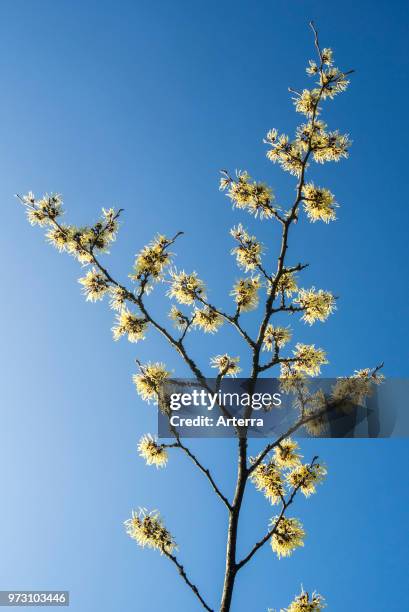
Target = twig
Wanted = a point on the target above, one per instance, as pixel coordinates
(190, 584)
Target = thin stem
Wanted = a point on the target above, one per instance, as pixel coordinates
(204, 470)
(189, 583)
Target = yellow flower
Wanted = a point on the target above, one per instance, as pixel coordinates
(41, 212)
(99, 236)
(290, 380)
(152, 452)
(330, 146)
(310, 134)
(287, 154)
(59, 237)
(207, 319)
(316, 414)
(109, 228)
(226, 365)
(286, 455)
(306, 603)
(255, 197)
(327, 56)
(275, 336)
(288, 536)
(267, 478)
(333, 82)
(179, 319)
(186, 288)
(306, 477)
(245, 293)
(309, 359)
(356, 388)
(79, 244)
(249, 251)
(131, 324)
(318, 305)
(95, 285)
(147, 529)
(319, 203)
(287, 283)
(316, 425)
(306, 103)
(152, 259)
(312, 68)
(149, 381)
(119, 295)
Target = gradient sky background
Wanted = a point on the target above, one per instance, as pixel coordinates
(139, 104)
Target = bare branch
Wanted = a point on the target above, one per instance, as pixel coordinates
(204, 470)
(189, 583)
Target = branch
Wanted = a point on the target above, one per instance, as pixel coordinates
(272, 531)
(233, 320)
(275, 361)
(190, 584)
(204, 470)
(316, 41)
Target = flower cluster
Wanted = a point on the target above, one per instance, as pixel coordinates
(308, 359)
(152, 452)
(306, 477)
(60, 237)
(291, 381)
(333, 82)
(275, 337)
(119, 295)
(307, 102)
(245, 293)
(319, 203)
(288, 535)
(94, 285)
(354, 389)
(287, 283)
(317, 305)
(149, 380)
(82, 242)
(285, 153)
(249, 250)
(267, 478)
(78, 242)
(331, 79)
(315, 411)
(207, 319)
(329, 146)
(286, 455)
(105, 231)
(285, 469)
(325, 146)
(318, 423)
(147, 529)
(41, 212)
(306, 603)
(180, 321)
(186, 288)
(130, 324)
(227, 366)
(256, 197)
(152, 259)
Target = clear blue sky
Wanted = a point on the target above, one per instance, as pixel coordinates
(139, 104)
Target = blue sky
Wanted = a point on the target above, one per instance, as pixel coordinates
(139, 104)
